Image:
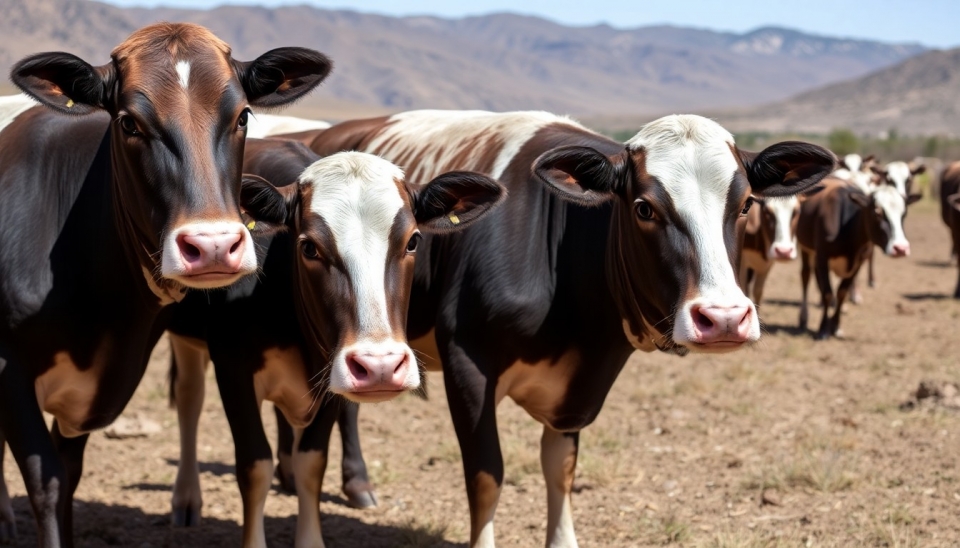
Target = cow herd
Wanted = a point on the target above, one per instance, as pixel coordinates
(521, 253)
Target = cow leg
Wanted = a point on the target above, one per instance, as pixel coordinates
(871, 281)
(558, 459)
(356, 482)
(822, 273)
(842, 292)
(760, 278)
(190, 362)
(806, 259)
(252, 450)
(32, 446)
(472, 402)
(309, 462)
(71, 455)
(284, 453)
(8, 521)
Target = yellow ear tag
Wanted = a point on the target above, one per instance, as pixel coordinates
(69, 103)
(251, 224)
(454, 219)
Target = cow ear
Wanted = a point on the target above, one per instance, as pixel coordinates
(454, 200)
(64, 82)
(787, 168)
(870, 158)
(918, 170)
(913, 198)
(581, 174)
(267, 203)
(954, 201)
(877, 170)
(861, 199)
(283, 75)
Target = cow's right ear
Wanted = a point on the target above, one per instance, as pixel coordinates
(64, 82)
(267, 203)
(861, 199)
(283, 75)
(581, 174)
(454, 200)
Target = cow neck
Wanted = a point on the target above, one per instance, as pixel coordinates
(134, 235)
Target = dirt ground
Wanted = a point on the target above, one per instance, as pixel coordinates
(791, 443)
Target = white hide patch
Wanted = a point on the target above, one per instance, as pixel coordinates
(263, 125)
(12, 106)
(782, 210)
(888, 199)
(691, 157)
(440, 137)
(356, 196)
(898, 173)
(183, 73)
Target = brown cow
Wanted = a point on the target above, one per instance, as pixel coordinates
(770, 236)
(950, 209)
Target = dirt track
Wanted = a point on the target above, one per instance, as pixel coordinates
(791, 443)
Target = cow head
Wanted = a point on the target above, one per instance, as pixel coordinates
(778, 223)
(898, 175)
(179, 105)
(357, 226)
(885, 209)
(681, 189)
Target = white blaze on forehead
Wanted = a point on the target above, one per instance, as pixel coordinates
(183, 73)
(891, 202)
(899, 173)
(782, 210)
(357, 198)
(692, 159)
(445, 138)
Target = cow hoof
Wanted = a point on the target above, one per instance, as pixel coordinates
(360, 494)
(821, 336)
(856, 298)
(186, 516)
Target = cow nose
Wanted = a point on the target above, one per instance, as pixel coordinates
(378, 372)
(783, 252)
(721, 324)
(901, 250)
(204, 253)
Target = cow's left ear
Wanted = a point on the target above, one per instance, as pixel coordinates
(283, 75)
(787, 168)
(581, 174)
(267, 203)
(918, 169)
(65, 82)
(913, 198)
(454, 200)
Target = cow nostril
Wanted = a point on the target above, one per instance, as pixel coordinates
(400, 364)
(189, 251)
(357, 369)
(702, 321)
(236, 246)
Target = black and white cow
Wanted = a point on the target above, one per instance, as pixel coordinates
(339, 238)
(600, 248)
(116, 195)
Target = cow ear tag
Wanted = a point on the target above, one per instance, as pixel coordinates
(251, 224)
(454, 219)
(69, 103)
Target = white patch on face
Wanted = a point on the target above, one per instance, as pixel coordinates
(183, 73)
(691, 157)
(439, 137)
(891, 202)
(356, 196)
(783, 236)
(898, 173)
(12, 106)
(263, 125)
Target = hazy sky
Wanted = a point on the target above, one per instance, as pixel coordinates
(934, 23)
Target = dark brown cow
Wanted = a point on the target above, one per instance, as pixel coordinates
(600, 247)
(770, 236)
(950, 210)
(116, 195)
(838, 227)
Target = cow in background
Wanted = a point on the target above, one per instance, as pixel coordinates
(950, 210)
(770, 237)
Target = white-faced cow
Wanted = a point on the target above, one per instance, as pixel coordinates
(770, 236)
(599, 248)
(838, 227)
(950, 209)
(116, 195)
(339, 236)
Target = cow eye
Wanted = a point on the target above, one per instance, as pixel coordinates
(310, 250)
(244, 118)
(414, 242)
(644, 210)
(129, 125)
(746, 206)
